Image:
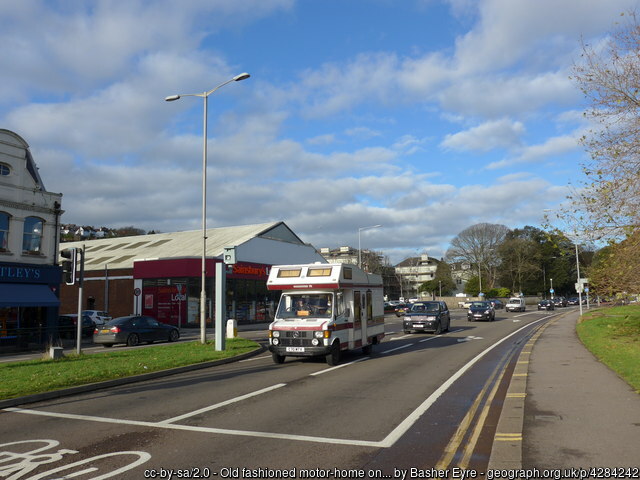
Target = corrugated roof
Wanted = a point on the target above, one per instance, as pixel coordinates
(122, 251)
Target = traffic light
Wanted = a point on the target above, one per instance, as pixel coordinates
(69, 265)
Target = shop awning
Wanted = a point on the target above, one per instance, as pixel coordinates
(27, 295)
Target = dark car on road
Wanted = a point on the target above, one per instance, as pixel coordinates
(68, 325)
(431, 317)
(481, 311)
(546, 305)
(133, 330)
(497, 304)
(560, 301)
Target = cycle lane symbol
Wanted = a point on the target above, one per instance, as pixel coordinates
(17, 461)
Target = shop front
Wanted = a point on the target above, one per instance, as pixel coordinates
(169, 290)
(28, 305)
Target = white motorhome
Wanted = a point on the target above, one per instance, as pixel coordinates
(325, 309)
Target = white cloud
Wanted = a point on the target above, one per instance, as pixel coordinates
(550, 148)
(488, 136)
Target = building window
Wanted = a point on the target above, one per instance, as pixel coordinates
(4, 231)
(5, 170)
(32, 238)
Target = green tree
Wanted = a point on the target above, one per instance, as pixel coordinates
(615, 268)
(442, 283)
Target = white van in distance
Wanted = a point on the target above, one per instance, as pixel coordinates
(515, 304)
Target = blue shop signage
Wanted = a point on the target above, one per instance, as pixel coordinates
(29, 273)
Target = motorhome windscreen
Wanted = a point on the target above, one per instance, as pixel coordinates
(305, 305)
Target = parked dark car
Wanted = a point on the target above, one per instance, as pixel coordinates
(481, 311)
(431, 317)
(575, 301)
(133, 330)
(546, 305)
(497, 304)
(68, 324)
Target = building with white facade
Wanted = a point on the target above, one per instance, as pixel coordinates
(413, 272)
(29, 236)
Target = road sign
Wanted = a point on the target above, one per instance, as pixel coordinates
(552, 291)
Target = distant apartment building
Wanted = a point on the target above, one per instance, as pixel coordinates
(370, 260)
(413, 272)
(461, 272)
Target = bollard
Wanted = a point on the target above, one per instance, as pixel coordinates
(232, 328)
(56, 353)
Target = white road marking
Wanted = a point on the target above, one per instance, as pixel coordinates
(469, 338)
(387, 442)
(326, 370)
(171, 426)
(408, 422)
(397, 348)
(222, 404)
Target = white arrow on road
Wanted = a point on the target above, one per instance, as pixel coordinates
(467, 339)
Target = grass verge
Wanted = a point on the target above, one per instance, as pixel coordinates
(36, 376)
(613, 335)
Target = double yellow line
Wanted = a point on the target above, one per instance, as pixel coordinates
(454, 444)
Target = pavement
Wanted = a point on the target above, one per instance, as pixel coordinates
(563, 409)
(566, 410)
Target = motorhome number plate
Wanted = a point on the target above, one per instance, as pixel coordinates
(295, 349)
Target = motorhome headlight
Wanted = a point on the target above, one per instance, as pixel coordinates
(315, 342)
(275, 333)
(318, 334)
(275, 341)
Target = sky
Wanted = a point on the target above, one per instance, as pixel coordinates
(422, 116)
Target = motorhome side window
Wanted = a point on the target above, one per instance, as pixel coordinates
(339, 303)
(348, 273)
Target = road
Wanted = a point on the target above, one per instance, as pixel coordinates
(420, 401)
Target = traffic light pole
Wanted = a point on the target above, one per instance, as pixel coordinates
(80, 252)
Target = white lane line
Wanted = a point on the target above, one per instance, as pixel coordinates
(413, 417)
(171, 426)
(338, 366)
(222, 404)
(397, 348)
(387, 442)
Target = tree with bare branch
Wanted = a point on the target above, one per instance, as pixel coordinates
(478, 246)
(609, 76)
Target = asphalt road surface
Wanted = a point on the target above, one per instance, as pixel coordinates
(419, 402)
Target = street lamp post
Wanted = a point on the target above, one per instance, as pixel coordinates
(578, 284)
(203, 292)
(551, 289)
(359, 243)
